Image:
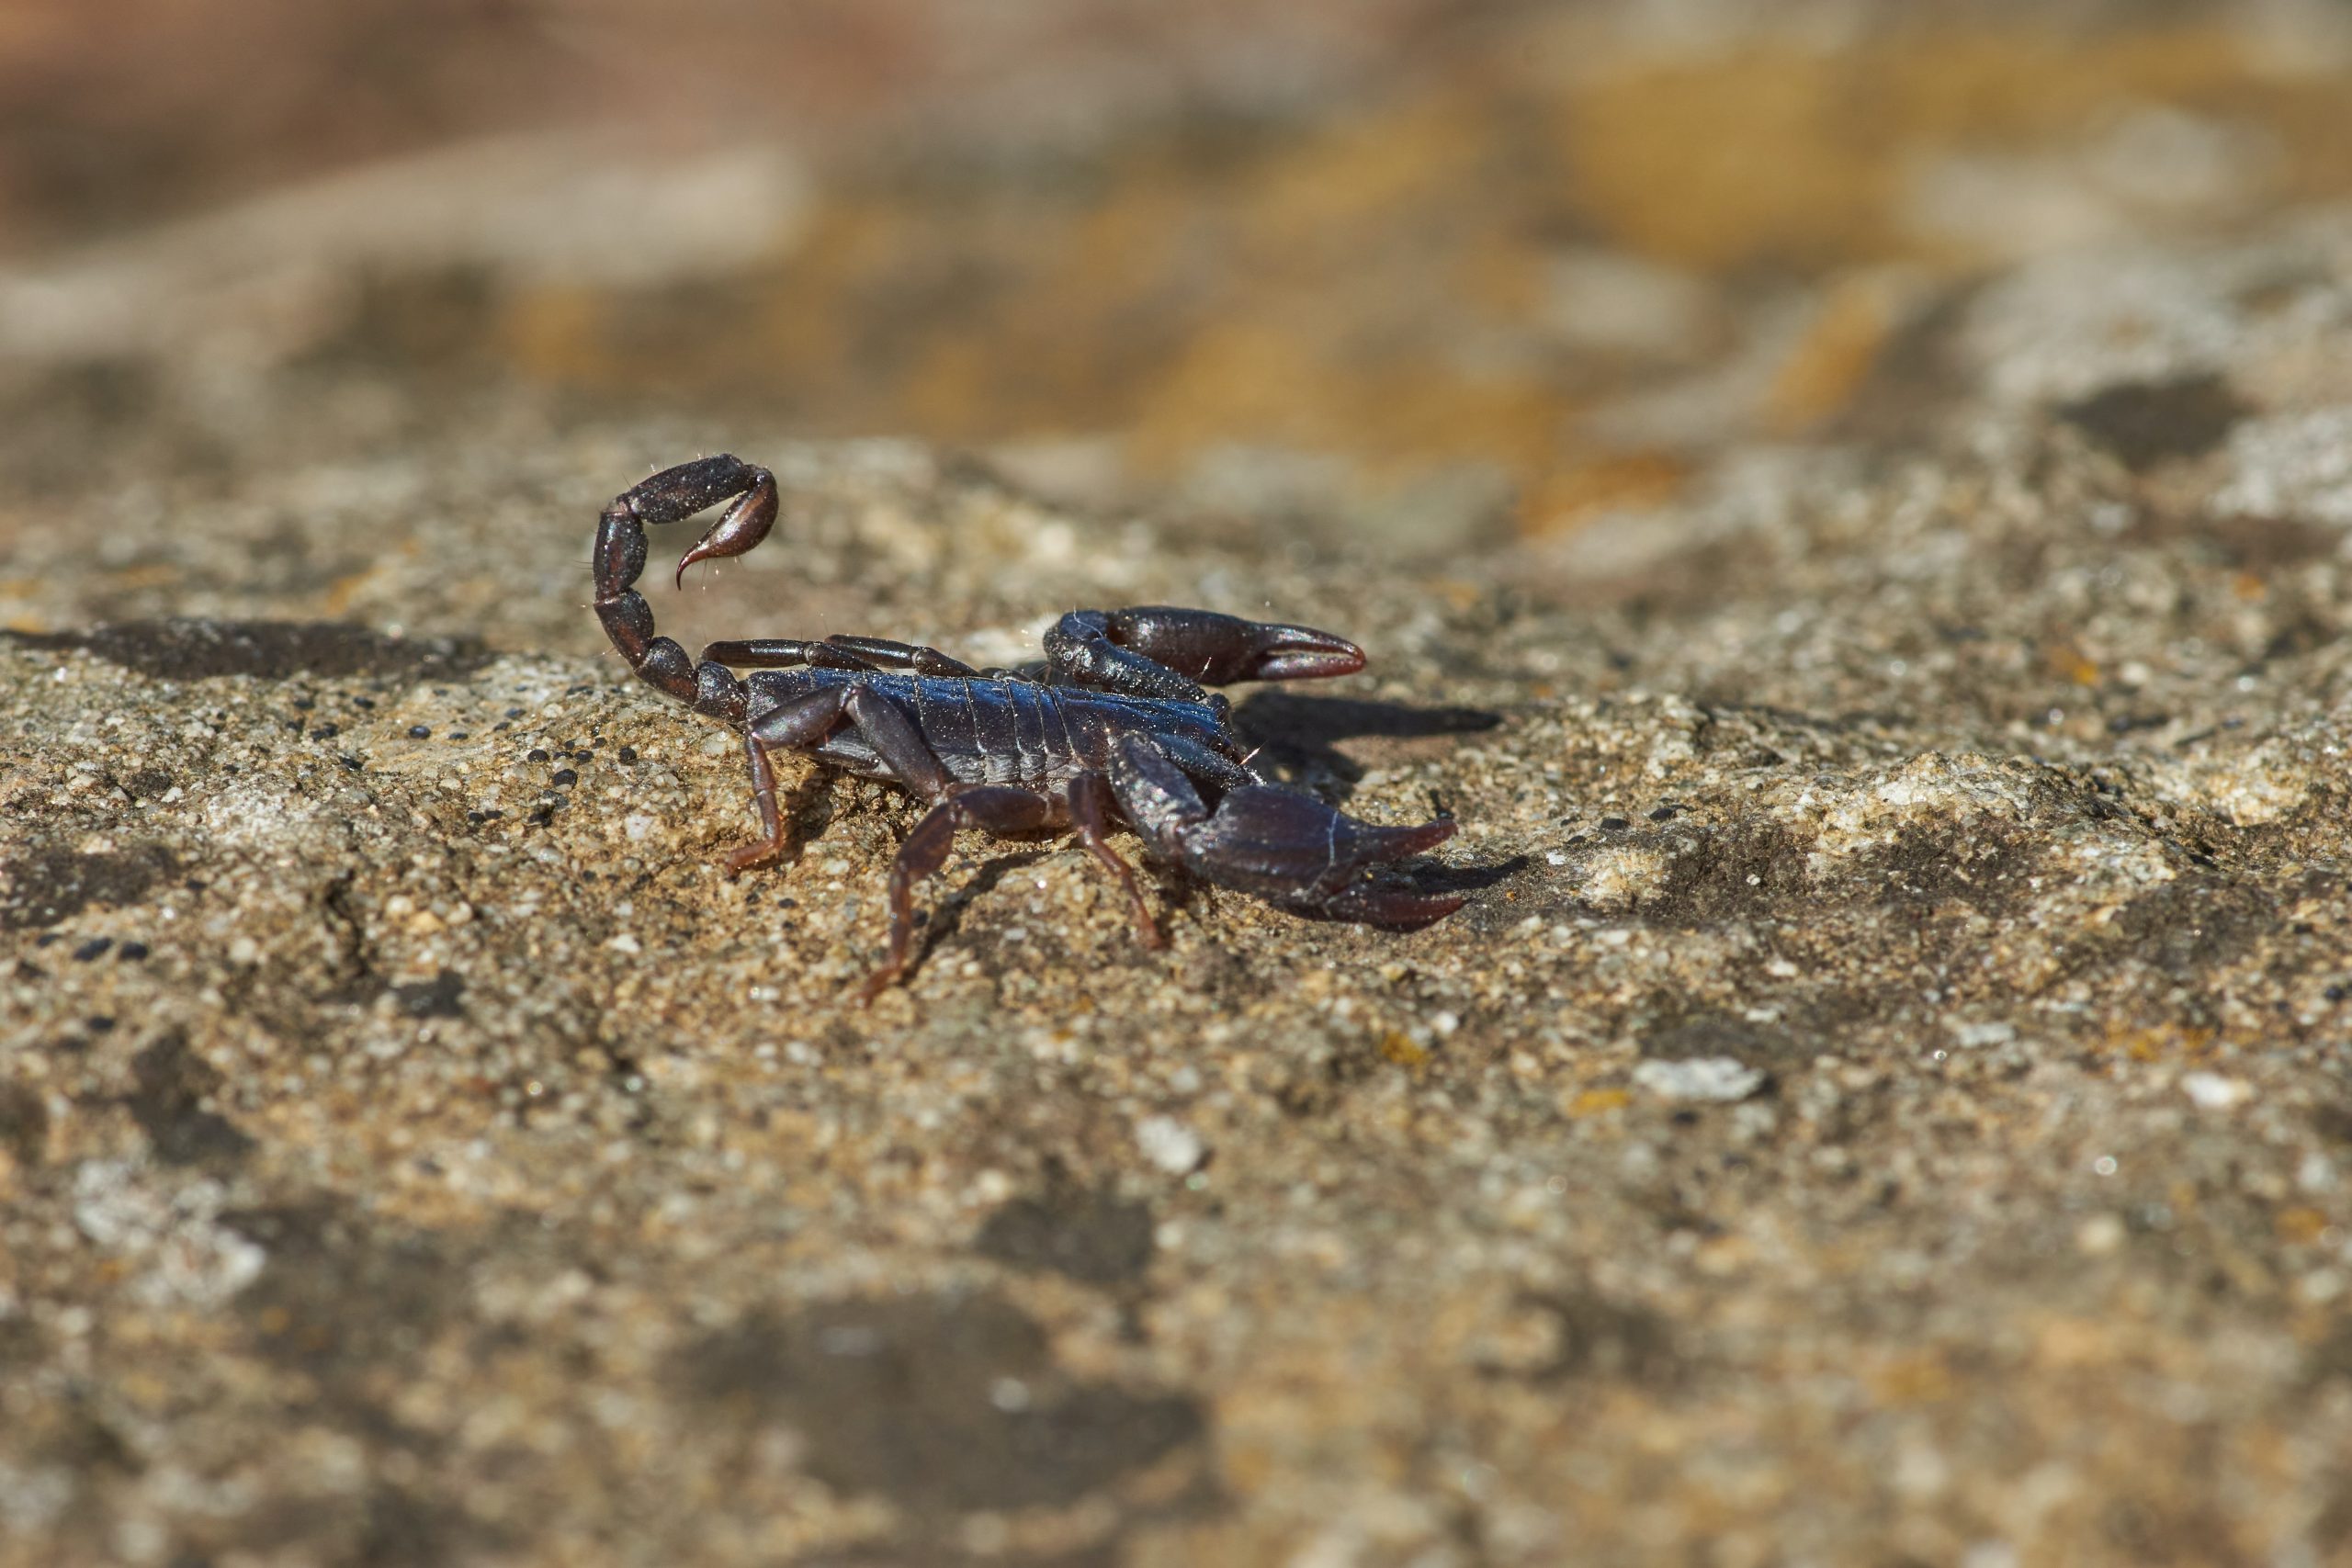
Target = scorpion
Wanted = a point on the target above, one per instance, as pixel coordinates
(1113, 723)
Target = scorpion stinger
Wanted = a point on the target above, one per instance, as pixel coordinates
(1115, 719)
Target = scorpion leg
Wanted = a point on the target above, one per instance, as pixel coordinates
(1288, 848)
(800, 723)
(836, 652)
(770, 842)
(803, 722)
(1089, 813)
(898, 742)
(1156, 651)
(783, 653)
(997, 808)
(902, 655)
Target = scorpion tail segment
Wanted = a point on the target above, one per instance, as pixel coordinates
(618, 560)
(675, 494)
(1218, 650)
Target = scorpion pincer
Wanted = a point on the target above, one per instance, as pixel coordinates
(1113, 724)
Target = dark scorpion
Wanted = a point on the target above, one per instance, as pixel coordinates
(1114, 719)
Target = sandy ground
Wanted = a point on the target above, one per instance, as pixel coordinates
(1885, 1102)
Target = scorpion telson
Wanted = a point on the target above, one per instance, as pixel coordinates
(1113, 723)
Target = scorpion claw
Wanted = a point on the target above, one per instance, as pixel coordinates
(1299, 653)
(1289, 848)
(1218, 650)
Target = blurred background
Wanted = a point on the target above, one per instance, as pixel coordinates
(1431, 273)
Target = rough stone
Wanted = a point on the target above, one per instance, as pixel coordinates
(1888, 1096)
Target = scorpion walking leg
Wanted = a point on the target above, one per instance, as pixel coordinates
(898, 742)
(902, 655)
(782, 653)
(794, 725)
(836, 652)
(1089, 813)
(998, 808)
(771, 839)
(803, 723)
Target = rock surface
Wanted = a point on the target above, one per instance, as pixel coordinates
(1889, 1098)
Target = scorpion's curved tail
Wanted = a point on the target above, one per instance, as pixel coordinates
(671, 496)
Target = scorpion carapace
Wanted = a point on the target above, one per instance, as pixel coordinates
(1113, 723)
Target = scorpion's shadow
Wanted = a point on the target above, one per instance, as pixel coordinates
(1297, 739)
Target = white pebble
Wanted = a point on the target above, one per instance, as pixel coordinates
(1700, 1077)
(2099, 1235)
(1170, 1145)
(2212, 1091)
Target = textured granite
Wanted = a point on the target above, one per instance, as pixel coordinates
(1889, 1098)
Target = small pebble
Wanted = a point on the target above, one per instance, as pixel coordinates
(1170, 1145)
(1615, 824)
(1718, 1078)
(536, 754)
(627, 753)
(2212, 1091)
(94, 948)
(132, 952)
(420, 732)
(565, 778)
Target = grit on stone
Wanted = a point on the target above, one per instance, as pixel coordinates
(1888, 1098)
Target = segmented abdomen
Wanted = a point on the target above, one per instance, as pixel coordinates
(998, 730)
(1007, 732)
(1035, 736)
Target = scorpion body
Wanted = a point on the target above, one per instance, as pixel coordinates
(1113, 723)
